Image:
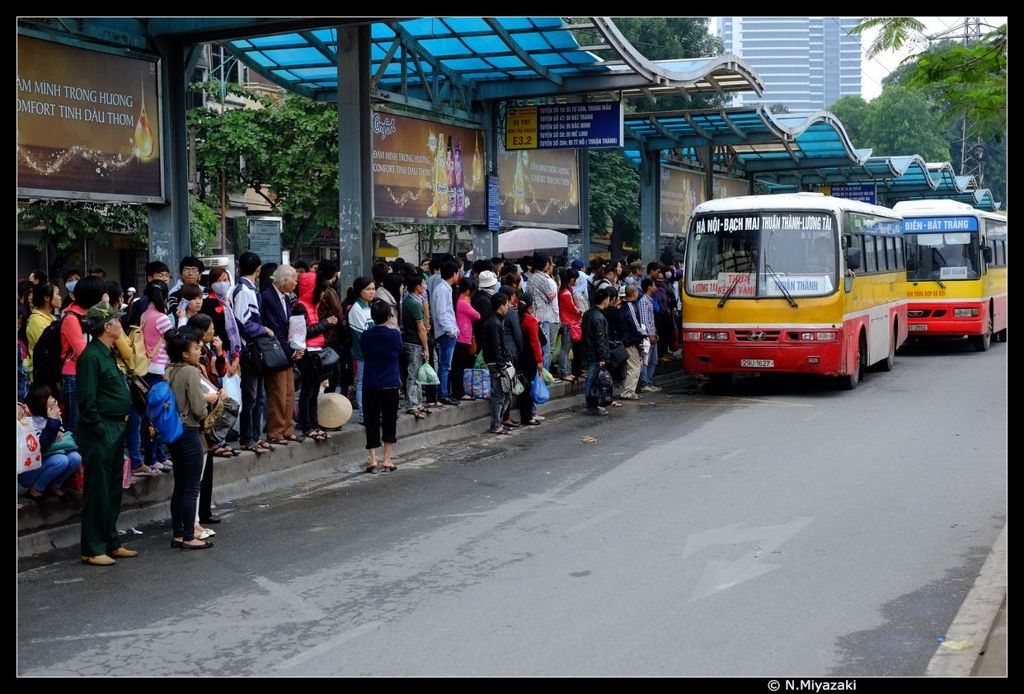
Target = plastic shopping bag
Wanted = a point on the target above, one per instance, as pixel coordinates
(426, 376)
(30, 454)
(539, 390)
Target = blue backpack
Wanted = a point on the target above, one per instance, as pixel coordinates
(162, 410)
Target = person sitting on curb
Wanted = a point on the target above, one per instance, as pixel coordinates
(60, 460)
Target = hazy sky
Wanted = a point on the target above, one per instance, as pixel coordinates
(875, 69)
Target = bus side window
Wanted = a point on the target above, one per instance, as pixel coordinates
(890, 252)
(1001, 253)
(870, 262)
(899, 253)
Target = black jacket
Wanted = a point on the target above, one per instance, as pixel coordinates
(513, 335)
(495, 351)
(481, 302)
(632, 326)
(595, 336)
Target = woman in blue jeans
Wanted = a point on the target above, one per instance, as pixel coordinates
(59, 462)
(185, 376)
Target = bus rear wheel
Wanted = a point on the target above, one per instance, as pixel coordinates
(850, 381)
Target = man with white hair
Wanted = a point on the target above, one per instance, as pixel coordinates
(276, 310)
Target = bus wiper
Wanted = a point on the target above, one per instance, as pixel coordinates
(936, 278)
(729, 291)
(775, 275)
(785, 292)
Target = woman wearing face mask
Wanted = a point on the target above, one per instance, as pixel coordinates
(218, 307)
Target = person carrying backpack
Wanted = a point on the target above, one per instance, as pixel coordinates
(55, 361)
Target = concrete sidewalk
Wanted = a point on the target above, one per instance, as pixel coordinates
(975, 643)
(52, 525)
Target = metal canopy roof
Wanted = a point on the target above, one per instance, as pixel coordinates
(461, 59)
(757, 140)
(897, 178)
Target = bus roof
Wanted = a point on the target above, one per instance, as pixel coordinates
(932, 208)
(793, 201)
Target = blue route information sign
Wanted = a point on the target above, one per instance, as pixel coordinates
(493, 203)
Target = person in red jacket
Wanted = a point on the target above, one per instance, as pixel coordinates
(309, 365)
(571, 318)
(530, 360)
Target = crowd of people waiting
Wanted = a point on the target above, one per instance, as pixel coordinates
(89, 357)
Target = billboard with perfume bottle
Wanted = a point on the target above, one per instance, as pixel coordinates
(88, 124)
(427, 172)
(539, 187)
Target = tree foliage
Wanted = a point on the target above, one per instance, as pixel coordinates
(66, 225)
(286, 151)
(969, 79)
(852, 111)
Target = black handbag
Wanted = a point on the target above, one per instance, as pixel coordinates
(327, 359)
(618, 355)
(268, 355)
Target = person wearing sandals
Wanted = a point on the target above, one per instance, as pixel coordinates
(185, 376)
(214, 364)
(414, 341)
(531, 360)
(382, 347)
(496, 357)
(309, 364)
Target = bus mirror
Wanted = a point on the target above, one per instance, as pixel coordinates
(853, 258)
(986, 253)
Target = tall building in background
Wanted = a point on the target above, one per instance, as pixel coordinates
(806, 63)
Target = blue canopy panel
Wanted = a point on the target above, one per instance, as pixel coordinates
(486, 58)
(470, 49)
(758, 141)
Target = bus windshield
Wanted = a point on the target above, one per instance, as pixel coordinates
(949, 256)
(762, 254)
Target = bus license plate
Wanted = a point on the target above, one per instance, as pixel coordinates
(917, 326)
(758, 363)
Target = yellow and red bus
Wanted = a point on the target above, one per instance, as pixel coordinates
(800, 283)
(956, 271)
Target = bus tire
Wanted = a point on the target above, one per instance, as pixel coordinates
(850, 381)
(890, 360)
(721, 382)
(981, 343)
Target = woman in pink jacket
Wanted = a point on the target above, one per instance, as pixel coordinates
(571, 330)
(465, 317)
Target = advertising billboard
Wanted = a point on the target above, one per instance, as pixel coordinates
(427, 172)
(539, 188)
(88, 124)
(681, 191)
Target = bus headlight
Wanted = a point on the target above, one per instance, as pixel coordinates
(826, 337)
(691, 336)
(965, 313)
(807, 336)
(716, 336)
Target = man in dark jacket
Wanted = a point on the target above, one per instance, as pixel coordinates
(633, 335)
(276, 310)
(595, 347)
(497, 358)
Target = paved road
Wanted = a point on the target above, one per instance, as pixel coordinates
(786, 528)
